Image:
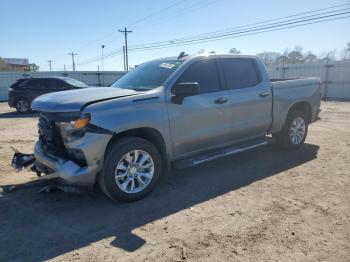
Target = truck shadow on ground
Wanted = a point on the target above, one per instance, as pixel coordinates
(37, 227)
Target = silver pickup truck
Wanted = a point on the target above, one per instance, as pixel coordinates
(172, 112)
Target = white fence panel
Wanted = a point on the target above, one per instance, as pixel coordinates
(6, 80)
(334, 74)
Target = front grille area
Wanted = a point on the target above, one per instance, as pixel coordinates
(49, 136)
(52, 143)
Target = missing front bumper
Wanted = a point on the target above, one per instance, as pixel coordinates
(66, 171)
(21, 161)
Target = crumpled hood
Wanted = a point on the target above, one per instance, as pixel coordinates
(74, 100)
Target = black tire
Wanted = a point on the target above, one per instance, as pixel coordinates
(23, 105)
(283, 138)
(115, 153)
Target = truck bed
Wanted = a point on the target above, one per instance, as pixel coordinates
(290, 91)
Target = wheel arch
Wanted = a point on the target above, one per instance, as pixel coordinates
(150, 134)
(20, 97)
(304, 107)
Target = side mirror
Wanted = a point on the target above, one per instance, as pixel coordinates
(181, 90)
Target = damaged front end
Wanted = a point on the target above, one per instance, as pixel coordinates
(21, 161)
(70, 150)
(56, 130)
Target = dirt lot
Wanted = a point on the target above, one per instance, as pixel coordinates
(256, 206)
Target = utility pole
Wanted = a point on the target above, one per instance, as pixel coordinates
(103, 68)
(73, 54)
(98, 75)
(50, 64)
(126, 46)
(124, 57)
(102, 47)
(327, 66)
(283, 67)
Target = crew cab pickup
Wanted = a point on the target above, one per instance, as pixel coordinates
(172, 112)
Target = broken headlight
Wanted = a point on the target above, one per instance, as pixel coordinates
(73, 130)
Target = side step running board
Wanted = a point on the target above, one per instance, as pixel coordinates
(197, 160)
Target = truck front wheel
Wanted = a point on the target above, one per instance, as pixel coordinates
(132, 169)
(294, 131)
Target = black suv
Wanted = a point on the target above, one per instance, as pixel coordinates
(24, 91)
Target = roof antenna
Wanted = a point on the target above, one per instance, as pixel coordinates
(181, 55)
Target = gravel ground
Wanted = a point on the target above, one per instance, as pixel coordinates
(260, 205)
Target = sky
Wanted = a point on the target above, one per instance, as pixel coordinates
(43, 30)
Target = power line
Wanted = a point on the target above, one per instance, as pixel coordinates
(254, 33)
(98, 58)
(229, 31)
(156, 13)
(219, 36)
(271, 20)
(136, 22)
(205, 3)
(226, 33)
(246, 34)
(192, 8)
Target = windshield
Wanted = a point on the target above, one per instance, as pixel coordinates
(75, 83)
(149, 75)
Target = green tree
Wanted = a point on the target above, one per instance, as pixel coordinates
(269, 58)
(282, 59)
(295, 57)
(310, 57)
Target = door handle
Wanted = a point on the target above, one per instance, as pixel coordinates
(264, 94)
(220, 100)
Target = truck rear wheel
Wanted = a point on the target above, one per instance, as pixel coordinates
(294, 131)
(131, 170)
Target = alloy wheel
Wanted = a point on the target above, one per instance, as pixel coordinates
(297, 130)
(22, 105)
(134, 171)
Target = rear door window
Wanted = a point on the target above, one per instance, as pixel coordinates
(205, 73)
(239, 72)
(56, 84)
(34, 84)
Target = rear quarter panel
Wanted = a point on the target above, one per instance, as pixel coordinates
(290, 92)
